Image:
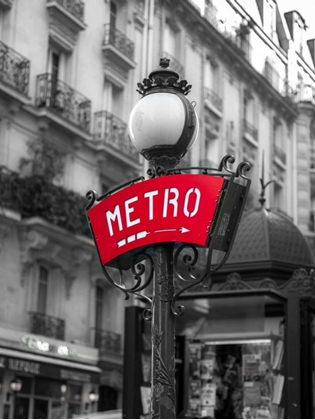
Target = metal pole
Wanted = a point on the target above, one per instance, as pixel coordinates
(163, 404)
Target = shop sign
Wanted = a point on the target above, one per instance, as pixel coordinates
(24, 366)
(48, 370)
(174, 208)
(33, 343)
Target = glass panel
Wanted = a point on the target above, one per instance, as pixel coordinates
(21, 406)
(75, 392)
(57, 410)
(26, 384)
(73, 409)
(42, 290)
(6, 411)
(48, 388)
(40, 409)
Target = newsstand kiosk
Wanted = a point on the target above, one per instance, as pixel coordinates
(241, 352)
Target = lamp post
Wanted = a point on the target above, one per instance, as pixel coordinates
(163, 126)
(164, 220)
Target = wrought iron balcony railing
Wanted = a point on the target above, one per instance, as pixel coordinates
(280, 154)
(174, 64)
(112, 131)
(76, 7)
(250, 129)
(107, 342)
(214, 98)
(64, 100)
(47, 325)
(14, 69)
(119, 40)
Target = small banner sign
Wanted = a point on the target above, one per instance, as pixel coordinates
(175, 208)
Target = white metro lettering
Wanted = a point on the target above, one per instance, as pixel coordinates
(172, 201)
(150, 195)
(111, 217)
(197, 202)
(130, 210)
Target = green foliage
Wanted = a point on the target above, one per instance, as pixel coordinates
(34, 196)
(44, 160)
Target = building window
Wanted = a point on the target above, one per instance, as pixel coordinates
(42, 290)
(99, 299)
(113, 14)
(211, 75)
(270, 18)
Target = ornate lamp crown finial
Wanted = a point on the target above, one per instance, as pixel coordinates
(164, 62)
(163, 78)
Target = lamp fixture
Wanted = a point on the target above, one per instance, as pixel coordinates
(163, 125)
(94, 396)
(16, 385)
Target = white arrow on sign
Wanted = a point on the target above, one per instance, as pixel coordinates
(182, 230)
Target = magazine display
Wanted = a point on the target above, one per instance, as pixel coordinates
(236, 381)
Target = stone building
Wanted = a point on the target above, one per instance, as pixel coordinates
(68, 76)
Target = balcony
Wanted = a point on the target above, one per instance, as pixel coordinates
(62, 100)
(212, 125)
(213, 98)
(250, 130)
(36, 197)
(69, 13)
(118, 53)
(111, 132)
(175, 64)
(47, 325)
(306, 94)
(280, 154)
(107, 342)
(6, 4)
(14, 69)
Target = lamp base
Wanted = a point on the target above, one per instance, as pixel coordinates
(159, 165)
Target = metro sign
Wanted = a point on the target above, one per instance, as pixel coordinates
(173, 208)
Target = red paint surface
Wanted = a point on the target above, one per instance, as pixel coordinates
(178, 208)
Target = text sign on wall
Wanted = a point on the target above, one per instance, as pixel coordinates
(174, 208)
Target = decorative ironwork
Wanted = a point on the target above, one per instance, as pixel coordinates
(176, 65)
(301, 283)
(214, 98)
(64, 100)
(164, 263)
(75, 7)
(47, 325)
(250, 129)
(280, 154)
(113, 132)
(107, 342)
(14, 69)
(183, 262)
(163, 78)
(119, 40)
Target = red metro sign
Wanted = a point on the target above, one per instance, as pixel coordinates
(174, 208)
